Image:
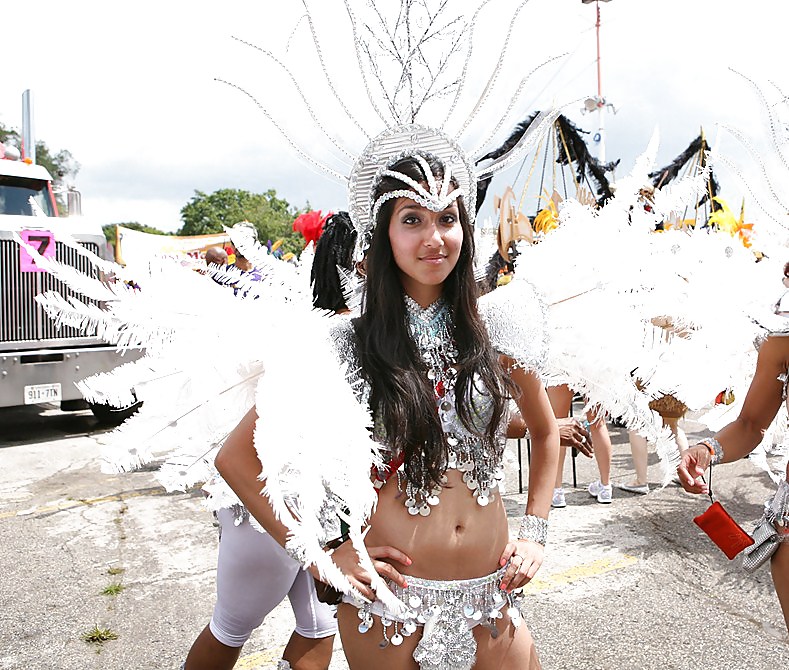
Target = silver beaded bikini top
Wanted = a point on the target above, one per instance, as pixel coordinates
(431, 329)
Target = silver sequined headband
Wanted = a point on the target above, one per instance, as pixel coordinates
(390, 147)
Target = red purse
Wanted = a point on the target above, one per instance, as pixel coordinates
(722, 529)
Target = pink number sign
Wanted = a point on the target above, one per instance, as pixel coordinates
(41, 240)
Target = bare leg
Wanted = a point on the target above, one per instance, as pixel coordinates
(305, 653)
(208, 653)
(779, 566)
(513, 649)
(638, 449)
(560, 469)
(561, 399)
(601, 441)
(677, 432)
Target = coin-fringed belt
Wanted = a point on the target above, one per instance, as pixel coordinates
(447, 611)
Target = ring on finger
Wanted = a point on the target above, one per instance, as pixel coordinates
(514, 556)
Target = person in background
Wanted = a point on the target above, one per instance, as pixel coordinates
(254, 573)
(561, 398)
(768, 390)
(738, 439)
(216, 256)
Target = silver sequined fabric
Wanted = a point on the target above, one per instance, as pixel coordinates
(447, 611)
(480, 462)
(517, 322)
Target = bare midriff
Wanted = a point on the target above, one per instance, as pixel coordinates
(459, 539)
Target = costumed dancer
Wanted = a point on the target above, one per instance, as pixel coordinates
(433, 368)
(765, 397)
(438, 392)
(761, 424)
(254, 574)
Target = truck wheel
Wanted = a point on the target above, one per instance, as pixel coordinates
(113, 416)
(73, 405)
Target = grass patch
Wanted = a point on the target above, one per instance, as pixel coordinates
(112, 589)
(98, 635)
(115, 571)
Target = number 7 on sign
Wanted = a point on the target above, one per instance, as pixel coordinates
(42, 241)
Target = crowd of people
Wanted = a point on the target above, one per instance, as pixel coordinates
(387, 525)
(432, 527)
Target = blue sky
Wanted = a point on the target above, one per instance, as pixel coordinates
(129, 88)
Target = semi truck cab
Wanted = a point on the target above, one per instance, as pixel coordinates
(39, 362)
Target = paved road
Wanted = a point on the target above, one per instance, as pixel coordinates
(633, 584)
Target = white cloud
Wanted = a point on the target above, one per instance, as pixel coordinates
(129, 88)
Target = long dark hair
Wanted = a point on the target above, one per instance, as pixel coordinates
(335, 248)
(402, 398)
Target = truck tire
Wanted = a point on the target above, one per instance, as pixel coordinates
(113, 416)
(73, 405)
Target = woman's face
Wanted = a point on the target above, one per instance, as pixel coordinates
(425, 245)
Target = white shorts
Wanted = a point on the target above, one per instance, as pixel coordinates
(253, 576)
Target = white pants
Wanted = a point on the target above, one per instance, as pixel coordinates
(253, 576)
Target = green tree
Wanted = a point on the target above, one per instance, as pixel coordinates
(272, 216)
(110, 230)
(60, 165)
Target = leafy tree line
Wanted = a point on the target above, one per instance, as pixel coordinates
(204, 214)
(272, 216)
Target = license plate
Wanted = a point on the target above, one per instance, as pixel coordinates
(39, 393)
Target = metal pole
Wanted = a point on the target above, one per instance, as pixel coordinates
(28, 136)
(600, 102)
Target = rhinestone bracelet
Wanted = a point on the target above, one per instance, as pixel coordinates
(296, 551)
(715, 449)
(533, 528)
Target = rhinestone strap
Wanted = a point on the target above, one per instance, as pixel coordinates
(434, 203)
(776, 511)
(534, 528)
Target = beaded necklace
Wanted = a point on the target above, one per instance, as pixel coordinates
(431, 329)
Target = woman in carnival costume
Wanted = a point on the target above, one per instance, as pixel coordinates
(254, 574)
(438, 393)
(761, 425)
(429, 569)
(768, 391)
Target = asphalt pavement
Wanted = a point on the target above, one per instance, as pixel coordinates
(633, 584)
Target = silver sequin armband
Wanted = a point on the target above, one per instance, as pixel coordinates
(297, 552)
(534, 528)
(715, 449)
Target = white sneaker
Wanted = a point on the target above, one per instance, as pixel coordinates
(558, 498)
(602, 493)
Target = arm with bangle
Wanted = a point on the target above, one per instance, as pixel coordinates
(525, 553)
(743, 435)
